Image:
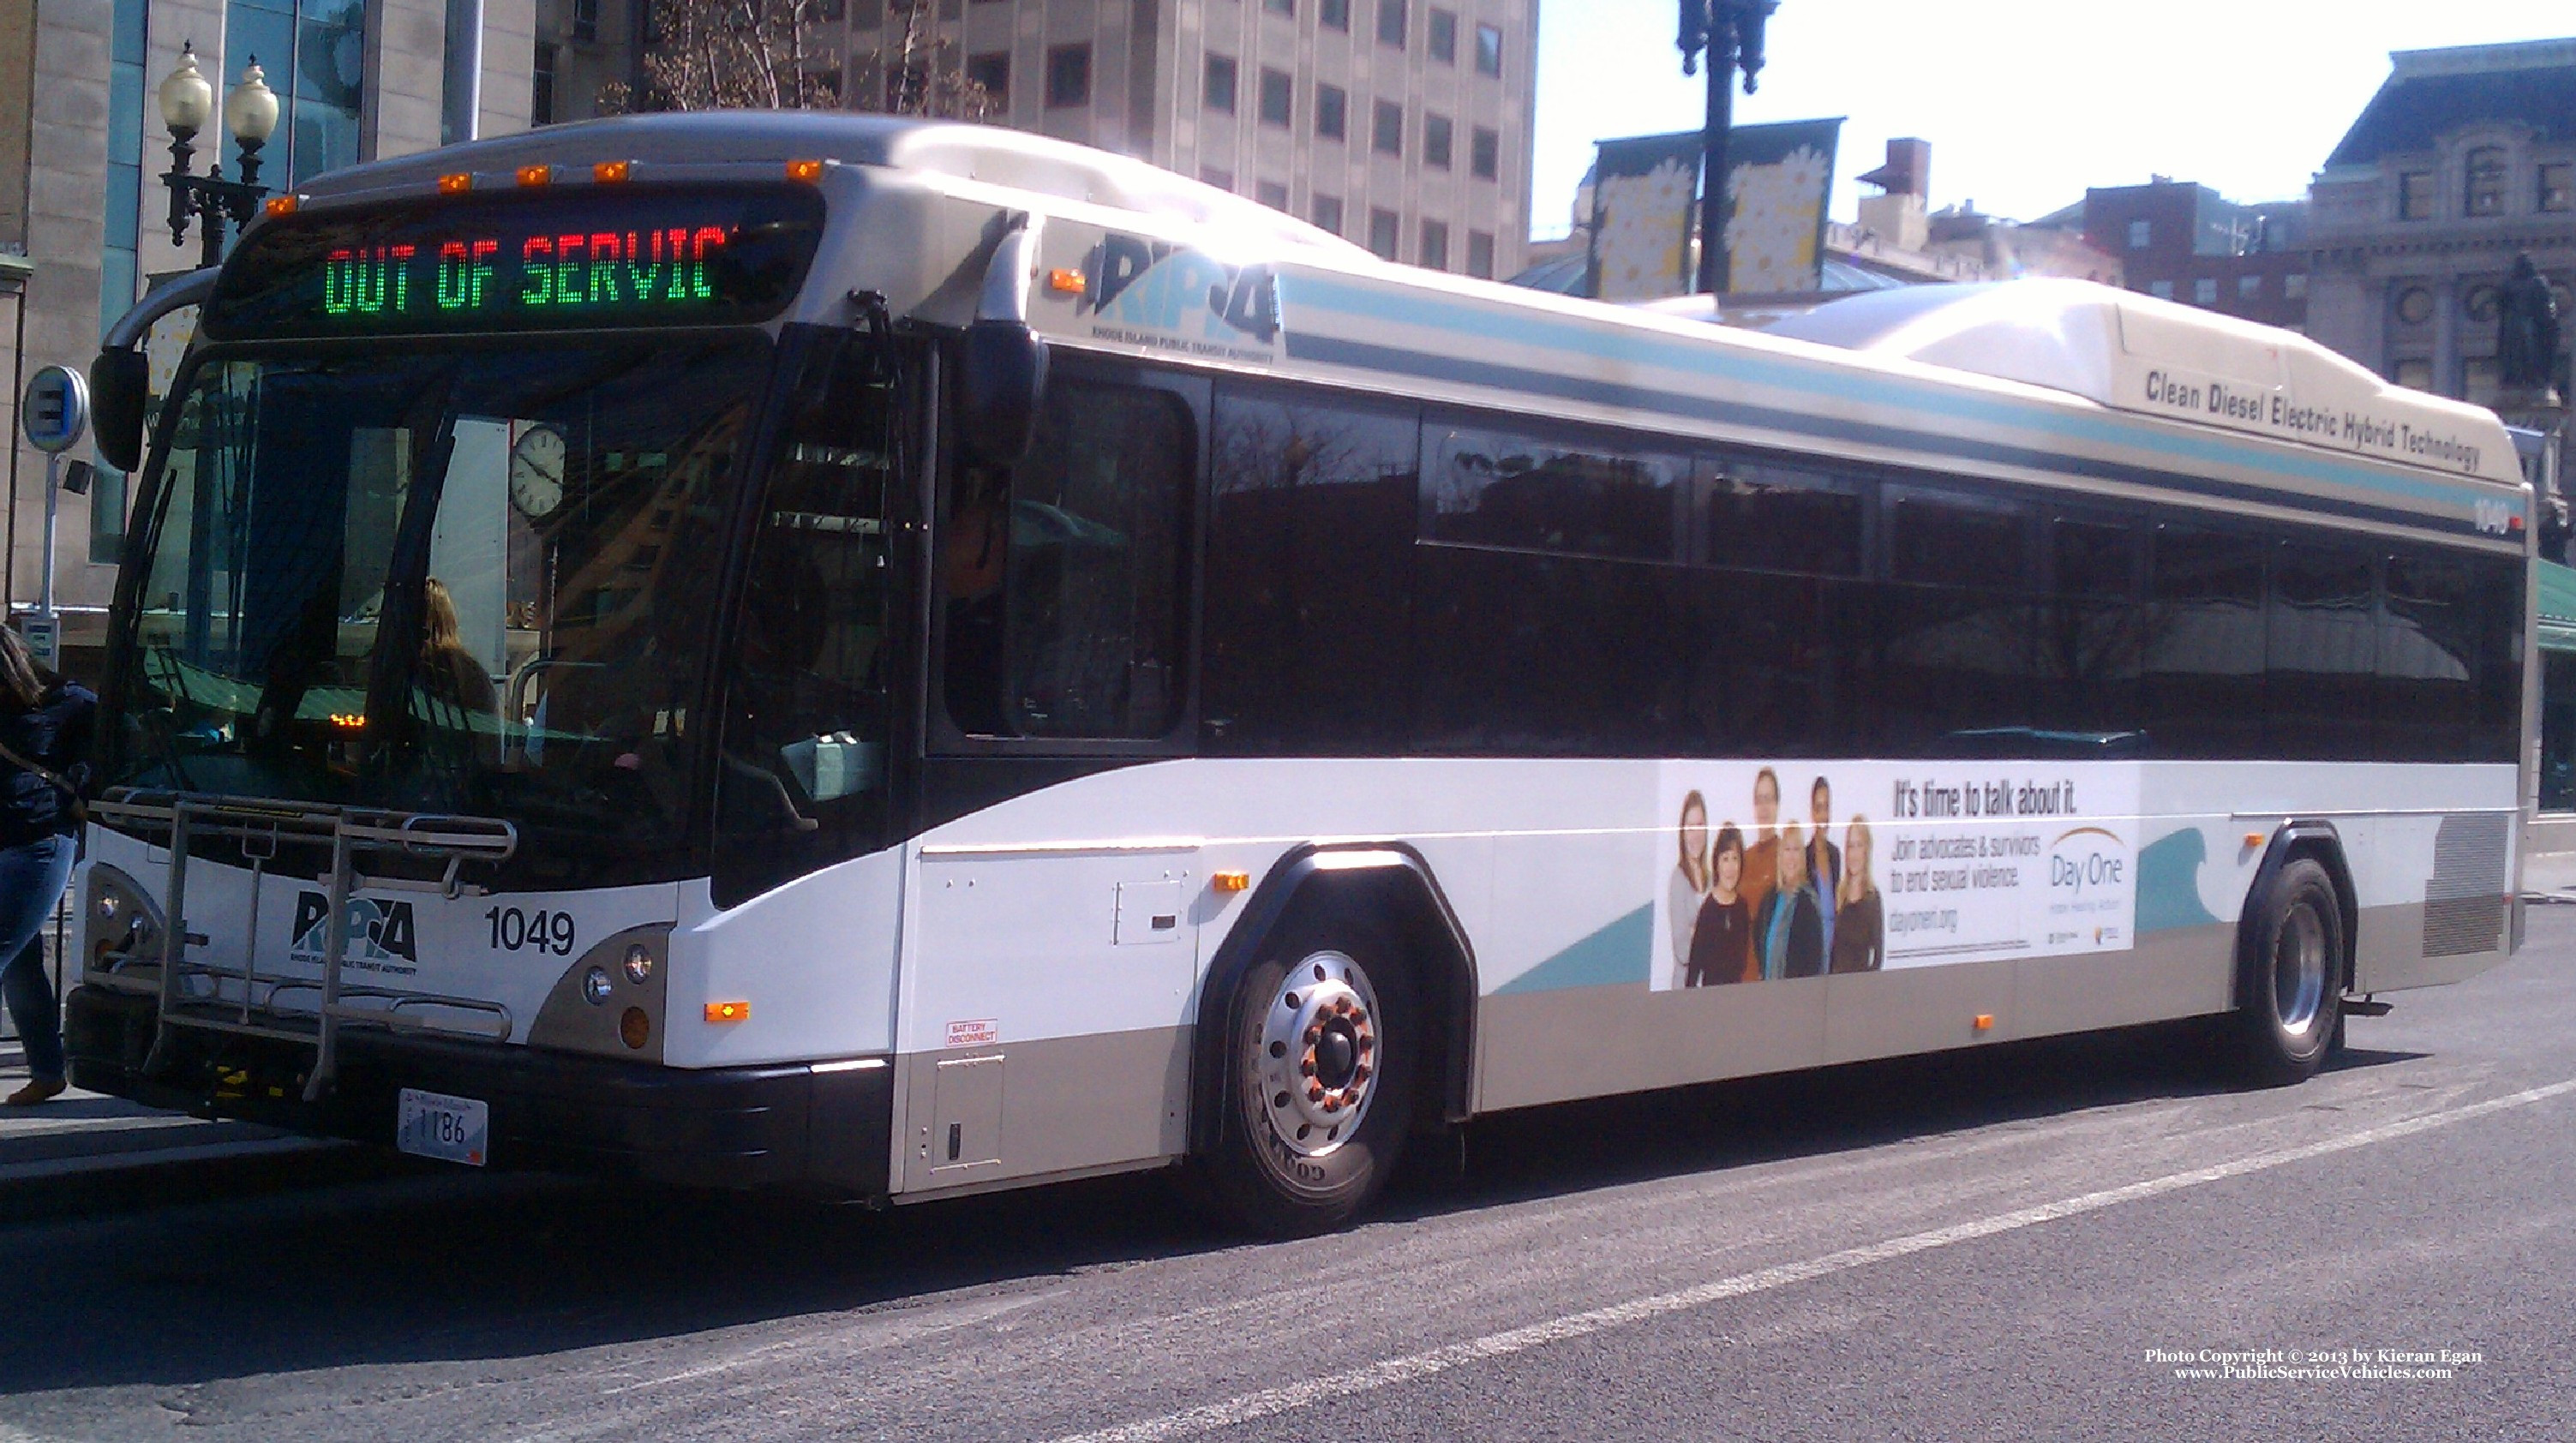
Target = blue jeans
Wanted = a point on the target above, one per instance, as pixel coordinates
(31, 882)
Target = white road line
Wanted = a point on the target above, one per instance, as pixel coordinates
(1272, 1401)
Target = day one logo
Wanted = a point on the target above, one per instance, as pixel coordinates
(379, 932)
(1183, 293)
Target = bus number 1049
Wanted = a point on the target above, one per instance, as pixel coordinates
(514, 930)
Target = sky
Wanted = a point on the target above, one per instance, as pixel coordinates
(2026, 102)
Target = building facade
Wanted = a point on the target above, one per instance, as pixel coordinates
(2465, 159)
(1404, 125)
(83, 148)
(2178, 241)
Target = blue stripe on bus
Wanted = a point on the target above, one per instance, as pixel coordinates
(1619, 954)
(1361, 355)
(1631, 347)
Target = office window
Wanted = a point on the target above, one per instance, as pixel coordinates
(1480, 254)
(1444, 36)
(1280, 7)
(2486, 176)
(2249, 288)
(2204, 292)
(2557, 187)
(585, 22)
(1390, 23)
(2415, 375)
(2161, 290)
(1271, 193)
(1332, 108)
(1068, 76)
(2294, 286)
(1387, 132)
(2142, 234)
(1328, 213)
(1435, 245)
(1489, 50)
(1220, 83)
(1382, 233)
(1212, 175)
(1335, 14)
(2415, 195)
(541, 90)
(1436, 136)
(1276, 88)
(1485, 153)
(992, 71)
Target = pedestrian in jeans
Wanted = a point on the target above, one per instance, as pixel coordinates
(44, 738)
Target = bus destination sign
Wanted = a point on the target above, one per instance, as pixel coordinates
(518, 261)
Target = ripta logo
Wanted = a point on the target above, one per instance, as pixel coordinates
(379, 932)
(1185, 294)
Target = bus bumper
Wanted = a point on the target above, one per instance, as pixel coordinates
(821, 1127)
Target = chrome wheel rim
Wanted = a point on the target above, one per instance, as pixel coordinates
(2299, 970)
(1317, 1054)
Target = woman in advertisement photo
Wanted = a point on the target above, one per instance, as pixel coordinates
(1689, 885)
(1791, 931)
(1860, 928)
(1721, 949)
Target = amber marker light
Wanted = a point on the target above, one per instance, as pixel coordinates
(2253, 839)
(728, 1011)
(807, 171)
(1985, 1021)
(279, 205)
(455, 183)
(634, 1029)
(536, 175)
(1231, 881)
(1069, 283)
(611, 172)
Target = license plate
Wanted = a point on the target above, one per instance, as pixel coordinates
(433, 1124)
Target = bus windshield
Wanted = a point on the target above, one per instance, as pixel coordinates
(464, 581)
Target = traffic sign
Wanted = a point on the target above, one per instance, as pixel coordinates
(54, 412)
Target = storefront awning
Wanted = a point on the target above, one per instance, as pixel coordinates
(2557, 606)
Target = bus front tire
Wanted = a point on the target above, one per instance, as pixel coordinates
(1321, 1047)
(2289, 1012)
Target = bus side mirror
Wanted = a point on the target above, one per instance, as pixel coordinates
(1000, 388)
(117, 380)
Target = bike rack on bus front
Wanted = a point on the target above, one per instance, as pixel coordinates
(260, 825)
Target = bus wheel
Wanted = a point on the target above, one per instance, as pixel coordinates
(2290, 994)
(1318, 1082)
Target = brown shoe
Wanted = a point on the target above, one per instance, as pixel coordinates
(40, 1090)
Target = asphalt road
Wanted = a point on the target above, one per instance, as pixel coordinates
(2026, 1242)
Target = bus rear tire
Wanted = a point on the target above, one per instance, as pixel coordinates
(2289, 1010)
(1321, 1047)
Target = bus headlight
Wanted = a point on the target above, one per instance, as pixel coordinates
(611, 1000)
(121, 923)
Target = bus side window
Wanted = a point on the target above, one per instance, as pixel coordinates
(2204, 648)
(2320, 644)
(1309, 566)
(1078, 631)
(1956, 625)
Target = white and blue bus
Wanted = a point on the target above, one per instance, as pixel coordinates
(902, 659)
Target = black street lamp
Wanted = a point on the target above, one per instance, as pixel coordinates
(250, 113)
(1730, 31)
